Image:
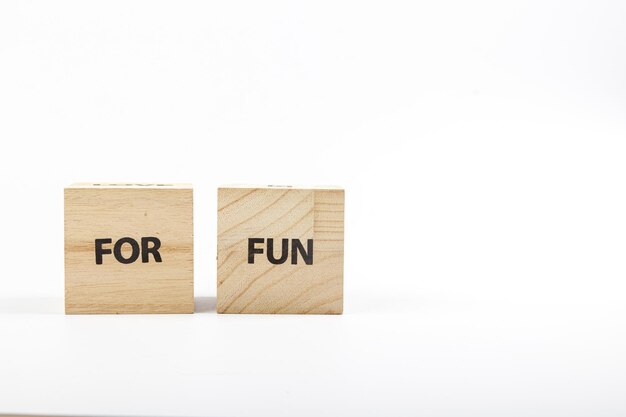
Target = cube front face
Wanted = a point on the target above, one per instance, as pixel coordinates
(128, 249)
(280, 250)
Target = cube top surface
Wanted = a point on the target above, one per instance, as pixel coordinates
(264, 236)
(123, 218)
(132, 186)
(282, 187)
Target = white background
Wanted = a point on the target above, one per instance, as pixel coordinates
(482, 146)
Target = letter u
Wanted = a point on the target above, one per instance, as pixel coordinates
(283, 255)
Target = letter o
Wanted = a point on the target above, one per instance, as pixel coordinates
(117, 250)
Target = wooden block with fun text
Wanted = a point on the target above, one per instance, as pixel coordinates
(128, 248)
(280, 250)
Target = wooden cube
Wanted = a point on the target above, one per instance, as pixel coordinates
(128, 248)
(280, 250)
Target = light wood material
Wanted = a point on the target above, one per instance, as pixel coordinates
(280, 212)
(96, 211)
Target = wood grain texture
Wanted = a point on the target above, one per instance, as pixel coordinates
(278, 213)
(94, 211)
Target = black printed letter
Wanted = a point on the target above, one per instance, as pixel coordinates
(154, 250)
(252, 250)
(100, 251)
(296, 246)
(117, 250)
(283, 255)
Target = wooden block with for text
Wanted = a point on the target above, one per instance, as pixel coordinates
(128, 248)
(280, 250)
